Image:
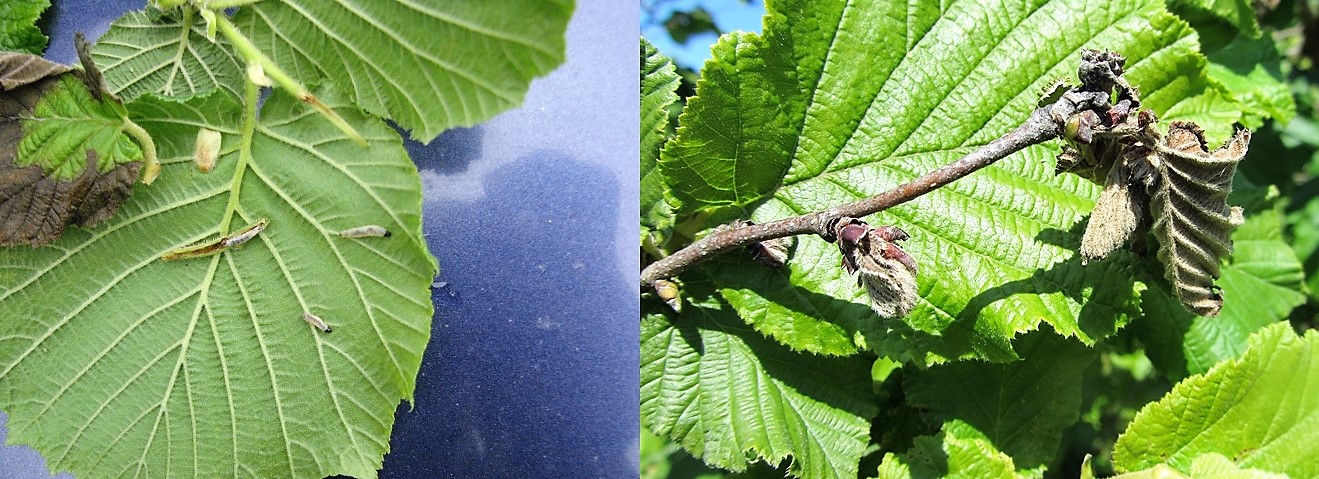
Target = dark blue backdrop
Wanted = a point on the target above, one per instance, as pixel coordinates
(532, 366)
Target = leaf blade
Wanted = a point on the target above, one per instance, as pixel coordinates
(1256, 410)
(659, 84)
(811, 408)
(150, 359)
(736, 136)
(428, 67)
(18, 26)
(144, 52)
(959, 450)
(1021, 407)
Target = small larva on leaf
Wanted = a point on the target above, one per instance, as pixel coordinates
(367, 231)
(246, 234)
(316, 322)
(210, 247)
(886, 271)
(207, 149)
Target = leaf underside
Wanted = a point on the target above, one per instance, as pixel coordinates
(429, 66)
(151, 52)
(1192, 219)
(884, 98)
(117, 363)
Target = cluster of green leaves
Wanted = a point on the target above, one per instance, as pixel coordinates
(1017, 360)
(114, 362)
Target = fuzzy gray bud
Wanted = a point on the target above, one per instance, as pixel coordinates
(886, 271)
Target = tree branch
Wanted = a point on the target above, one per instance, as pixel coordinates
(1045, 123)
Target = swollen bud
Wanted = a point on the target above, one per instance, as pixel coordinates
(771, 253)
(207, 149)
(257, 75)
(886, 271)
(668, 291)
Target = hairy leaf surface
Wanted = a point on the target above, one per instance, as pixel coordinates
(1260, 411)
(1262, 284)
(114, 362)
(427, 65)
(726, 393)
(18, 26)
(894, 92)
(1192, 219)
(166, 53)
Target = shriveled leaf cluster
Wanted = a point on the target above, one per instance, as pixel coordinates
(64, 158)
(1172, 181)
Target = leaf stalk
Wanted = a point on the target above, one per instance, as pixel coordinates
(250, 96)
(151, 164)
(282, 78)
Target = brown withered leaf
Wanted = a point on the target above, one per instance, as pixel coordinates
(1192, 219)
(37, 205)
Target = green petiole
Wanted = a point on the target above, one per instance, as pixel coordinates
(254, 56)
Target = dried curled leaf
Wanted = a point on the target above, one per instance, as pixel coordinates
(1116, 216)
(1121, 209)
(63, 157)
(1192, 220)
(1184, 183)
(886, 271)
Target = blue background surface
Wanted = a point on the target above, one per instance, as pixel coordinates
(728, 15)
(532, 366)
